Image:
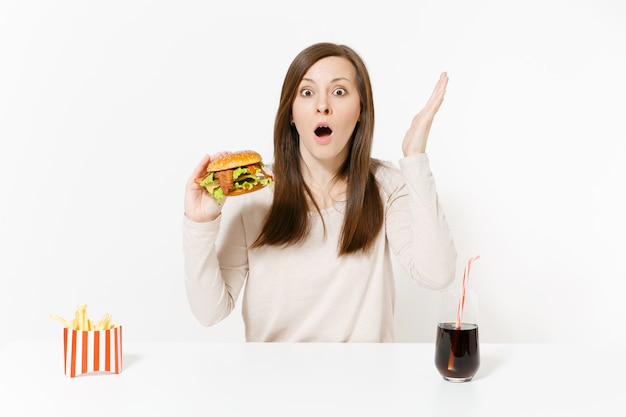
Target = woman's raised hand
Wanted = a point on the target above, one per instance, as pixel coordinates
(416, 137)
(199, 205)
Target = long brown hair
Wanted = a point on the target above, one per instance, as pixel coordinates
(288, 218)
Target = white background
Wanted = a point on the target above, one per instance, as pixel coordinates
(106, 107)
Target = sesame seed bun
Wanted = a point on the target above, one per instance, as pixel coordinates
(234, 160)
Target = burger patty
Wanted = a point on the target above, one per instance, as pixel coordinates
(225, 179)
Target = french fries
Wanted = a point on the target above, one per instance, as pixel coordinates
(82, 322)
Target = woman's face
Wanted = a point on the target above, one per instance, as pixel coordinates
(326, 110)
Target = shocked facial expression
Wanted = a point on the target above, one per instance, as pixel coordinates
(326, 111)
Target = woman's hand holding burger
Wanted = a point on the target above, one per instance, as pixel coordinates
(219, 176)
(199, 205)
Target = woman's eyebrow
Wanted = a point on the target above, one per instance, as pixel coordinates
(334, 80)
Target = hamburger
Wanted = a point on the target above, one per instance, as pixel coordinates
(234, 174)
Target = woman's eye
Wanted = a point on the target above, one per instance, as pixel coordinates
(305, 92)
(340, 92)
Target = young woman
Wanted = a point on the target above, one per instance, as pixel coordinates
(314, 252)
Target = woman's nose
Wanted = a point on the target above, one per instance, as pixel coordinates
(323, 108)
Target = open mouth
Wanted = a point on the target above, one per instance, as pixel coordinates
(323, 131)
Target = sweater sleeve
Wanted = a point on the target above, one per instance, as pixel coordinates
(211, 292)
(416, 226)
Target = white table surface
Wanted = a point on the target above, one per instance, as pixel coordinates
(250, 379)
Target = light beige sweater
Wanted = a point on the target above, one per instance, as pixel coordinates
(305, 292)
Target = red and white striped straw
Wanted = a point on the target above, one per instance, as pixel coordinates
(466, 273)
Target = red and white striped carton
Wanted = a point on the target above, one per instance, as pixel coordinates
(92, 351)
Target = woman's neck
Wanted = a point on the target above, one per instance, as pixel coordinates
(325, 187)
